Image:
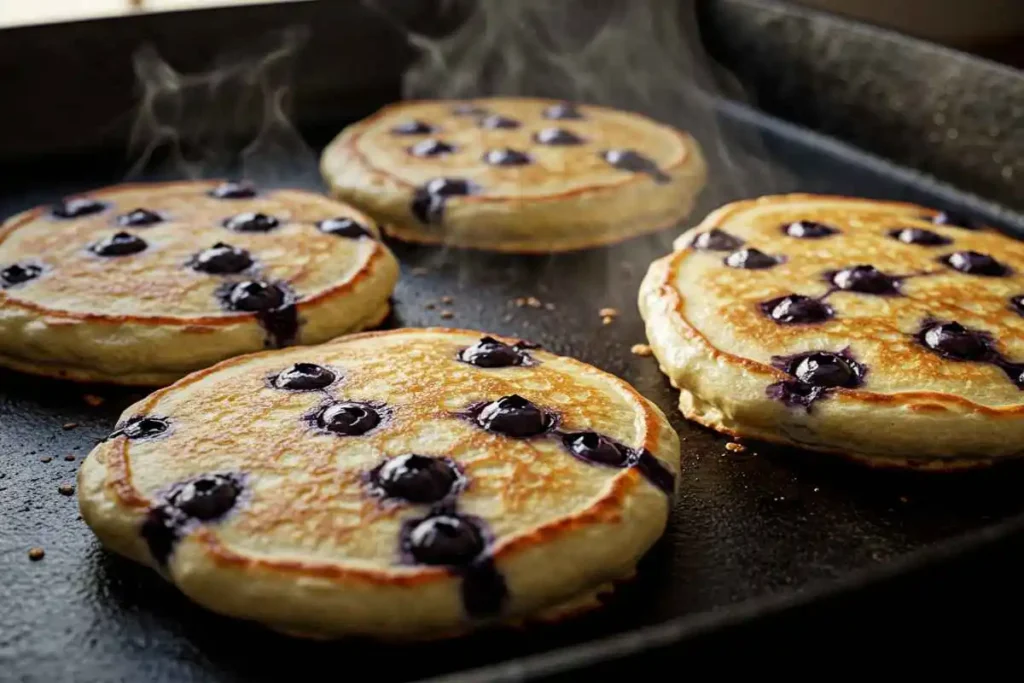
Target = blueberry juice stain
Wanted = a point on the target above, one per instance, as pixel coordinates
(596, 449)
(956, 342)
(814, 375)
(634, 162)
(272, 303)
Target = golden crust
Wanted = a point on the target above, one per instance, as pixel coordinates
(916, 408)
(147, 318)
(310, 552)
(567, 198)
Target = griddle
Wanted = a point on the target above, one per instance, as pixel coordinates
(771, 549)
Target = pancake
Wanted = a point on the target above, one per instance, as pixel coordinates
(142, 284)
(515, 174)
(400, 484)
(887, 332)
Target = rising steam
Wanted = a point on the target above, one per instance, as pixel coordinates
(230, 121)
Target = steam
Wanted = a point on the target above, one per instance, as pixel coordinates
(230, 121)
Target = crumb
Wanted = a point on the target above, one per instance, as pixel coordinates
(36, 554)
(419, 271)
(816, 489)
(607, 320)
(608, 312)
(533, 302)
(70, 425)
(549, 307)
(430, 305)
(93, 400)
(519, 301)
(507, 318)
(69, 457)
(641, 350)
(903, 499)
(45, 459)
(447, 315)
(735, 447)
(446, 299)
(66, 489)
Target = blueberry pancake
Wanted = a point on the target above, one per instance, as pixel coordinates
(398, 484)
(142, 284)
(515, 174)
(888, 332)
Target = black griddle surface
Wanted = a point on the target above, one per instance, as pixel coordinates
(746, 525)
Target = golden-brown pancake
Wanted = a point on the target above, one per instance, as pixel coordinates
(141, 284)
(407, 483)
(885, 331)
(515, 174)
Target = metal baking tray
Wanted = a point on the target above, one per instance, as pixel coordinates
(765, 549)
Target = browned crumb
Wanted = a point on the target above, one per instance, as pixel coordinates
(519, 301)
(641, 350)
(45, 458)
(447, 315)
(66, 489)
(430, 305)
(419, 271)
(36, 554)
(903, 499)
(446, 299)
(735, 447)
(93, 400)
(608, 312)
(70, 425)
(69, 457)
(607, 320)
(533, 302)
(549, 306)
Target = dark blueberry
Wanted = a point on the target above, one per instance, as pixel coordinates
(927, 238)
(468, 109)
(428, 201)
(144, 427)
(234, 190)
(751, 259)
(119, 244)
(795, 393)
(19, 273)
(491, 353)
(251, 222)
(254, 295)
(413, 128)
(416, 478)
(797, 309)
(206, 498)
(304, 377)
(808, 230)
(139, 218)
(557, 136)
(973, 263)
(221, 259)
(1015, 371)
(593, 447)
(716, 240)
(444, 539)
(955, 341)
(823, 369)
(160, 530)
(76, 207)
(634, 162)
(344, 227)
(513, 416)
(563, 110)
(1017, 304)
(954, 220)
(497, 121)
(506, 157)
(865, 279)
(431, 148)
(348, 418)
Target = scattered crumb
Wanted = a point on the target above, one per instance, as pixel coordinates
(430, 305)
(816, 489)
(70, 425)
(607, 320)
(447, 315)
(93, 400)
(419, 271)
(45, 458)
(903, 499)
(69, 457)
(66, 489)
(641, 350)
(549, 306)
(36, 554)
(608, 312)
(735, 447)
(446, 299)
(533, 302)
(507, 318)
